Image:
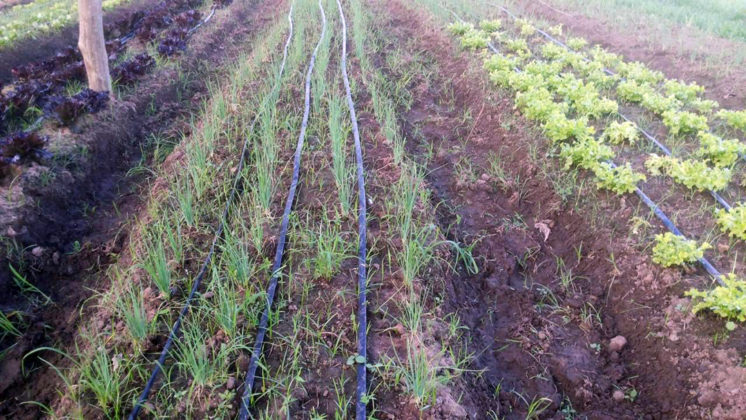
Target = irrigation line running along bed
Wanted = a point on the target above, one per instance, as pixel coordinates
(362, 233)
(235, 190)
(277, 267)
(644, 132)
(644, 197)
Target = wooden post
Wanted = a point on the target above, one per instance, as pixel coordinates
(93, 46)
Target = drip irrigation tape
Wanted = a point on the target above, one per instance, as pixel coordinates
(207, 19)
(123, 40)
(276, 268)
(650, 203)
(672, 227)
(235, 190)
(360, 409)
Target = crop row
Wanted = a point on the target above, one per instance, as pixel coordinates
(570, 97)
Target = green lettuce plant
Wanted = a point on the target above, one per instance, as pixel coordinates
(671, 249)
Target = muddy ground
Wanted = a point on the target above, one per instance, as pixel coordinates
(79, 223)
(531, 335)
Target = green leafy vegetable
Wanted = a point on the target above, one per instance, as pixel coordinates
(682, 91)
(577, 43)
(728, 301)
(618, 133)
(518, 46)
(526, 28)
(704, 106)
(736, 119)
(619, 179)
(538, 105)
(694, 174)
(585, 153)
(658, 104)
(555, 30)
(490, 25)
(717, 151)
(633, 92)
(670, 250)
(475, 39)
(638, 72)
(683, 122)
(604, 57)
(733, 221)
(552, 51)
(460, 28)
(559, 128)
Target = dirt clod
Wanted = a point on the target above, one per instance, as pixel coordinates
(243, 362)
(450, 408)
(617, 343)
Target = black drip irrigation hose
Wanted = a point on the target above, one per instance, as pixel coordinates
(672, 227)
(125, 39)
(360, 406)
(665, 150)
(205, 20)
(277, 267)
(235, 190)
(645, 199)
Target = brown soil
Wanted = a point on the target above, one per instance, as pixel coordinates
(729, 88)
(387, 338)
(525, 344)
(528, 333)
(58, 218)
(330, 302)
